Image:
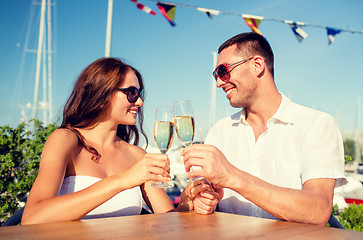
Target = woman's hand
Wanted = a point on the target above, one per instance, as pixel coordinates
(200, 196)
(152, 167)
(206, 201)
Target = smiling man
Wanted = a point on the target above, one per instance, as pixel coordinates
(274, 158)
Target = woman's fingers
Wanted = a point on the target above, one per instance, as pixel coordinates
(158, 160)
(152, 167)
(205, 199)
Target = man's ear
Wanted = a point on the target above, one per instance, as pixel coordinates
(259, 65)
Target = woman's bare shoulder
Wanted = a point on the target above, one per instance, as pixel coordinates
(136, 151)
(61, 146)
(64, 133)
(63, 138)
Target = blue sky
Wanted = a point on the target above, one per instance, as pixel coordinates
(176, 62)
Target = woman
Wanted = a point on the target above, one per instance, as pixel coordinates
(88, 167)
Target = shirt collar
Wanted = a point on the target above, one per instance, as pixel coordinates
(239, 117)
(282, 114)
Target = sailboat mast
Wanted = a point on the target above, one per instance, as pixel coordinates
(212, 106)
(109, 28)
(50, 80)
(39, 57)
(356, 138)
(44, 64)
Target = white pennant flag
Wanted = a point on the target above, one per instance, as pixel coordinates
(295, 27)
(209, 12)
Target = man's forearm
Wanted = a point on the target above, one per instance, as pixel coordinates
(312, 204)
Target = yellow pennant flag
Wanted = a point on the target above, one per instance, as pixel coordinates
(253, 22)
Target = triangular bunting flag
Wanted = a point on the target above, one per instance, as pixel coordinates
(295, 27)
(168, 12)
(331, 33)
(253, 22)
(143, 7)
(210, 12)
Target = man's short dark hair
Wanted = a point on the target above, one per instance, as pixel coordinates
(251, 44)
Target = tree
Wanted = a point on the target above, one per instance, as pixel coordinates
(20, 152)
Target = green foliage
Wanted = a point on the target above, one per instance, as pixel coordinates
(348, 159)
(352, 217)
(335, 210)
(20, 152)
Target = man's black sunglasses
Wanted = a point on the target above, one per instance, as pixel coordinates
(223, 71)
(132, 93)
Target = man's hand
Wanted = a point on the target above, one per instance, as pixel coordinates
(214, 165)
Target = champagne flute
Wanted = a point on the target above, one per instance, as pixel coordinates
(184, 124)
(163, 135)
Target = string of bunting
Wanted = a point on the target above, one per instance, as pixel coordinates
(167, 9)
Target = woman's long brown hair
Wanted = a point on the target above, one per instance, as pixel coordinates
(91, 97)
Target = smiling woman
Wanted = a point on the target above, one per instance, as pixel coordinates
(92, 164)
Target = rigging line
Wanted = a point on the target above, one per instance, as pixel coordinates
(20, 79)
(264, 18)
(190, 6)
(304, 24)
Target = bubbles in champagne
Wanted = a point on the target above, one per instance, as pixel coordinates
(163, 135)
(185, 129)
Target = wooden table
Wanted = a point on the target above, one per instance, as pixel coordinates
(176, 226)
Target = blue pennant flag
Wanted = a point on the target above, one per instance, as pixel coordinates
(331, 33)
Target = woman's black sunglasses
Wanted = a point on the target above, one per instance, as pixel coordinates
(132, 93)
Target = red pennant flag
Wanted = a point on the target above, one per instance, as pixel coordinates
(143, 7)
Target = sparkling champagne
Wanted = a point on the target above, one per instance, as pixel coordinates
(163, 135)
(185, 129)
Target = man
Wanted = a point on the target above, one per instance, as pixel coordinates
(275, 159)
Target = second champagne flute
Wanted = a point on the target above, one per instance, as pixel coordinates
(163, 135)
(184, 124)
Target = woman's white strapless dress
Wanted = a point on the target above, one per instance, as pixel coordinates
(125, 203)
